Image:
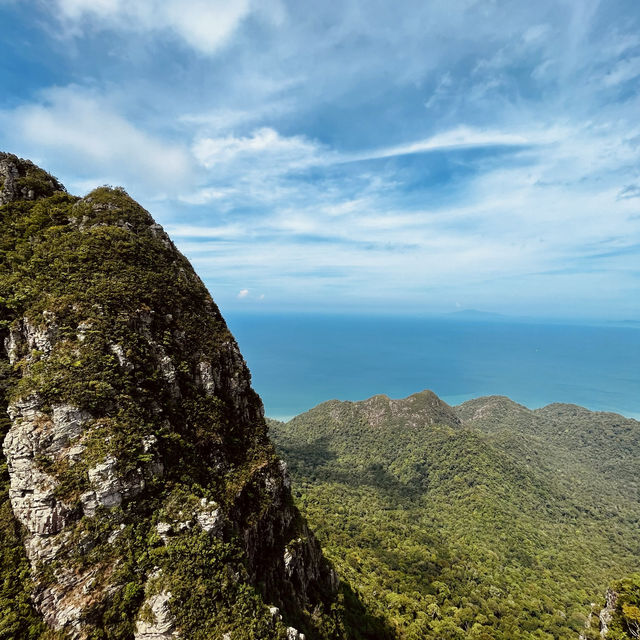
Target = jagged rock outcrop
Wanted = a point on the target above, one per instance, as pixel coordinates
(620, 616)
(162, 625)
(415, 412)
(607, 612)
(151, 500)
(35, 434)
(23, 180)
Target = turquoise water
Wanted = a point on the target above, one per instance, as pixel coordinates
(298, 361)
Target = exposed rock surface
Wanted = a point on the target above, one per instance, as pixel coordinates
(137, 451)
(161, 625)
(23, 180)
(36, 434)
(607, 612)
(416, 411)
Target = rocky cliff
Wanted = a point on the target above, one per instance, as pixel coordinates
(146, 495)
(619, 619)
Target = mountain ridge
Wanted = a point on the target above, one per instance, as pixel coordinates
(141, 494)
(501, 501)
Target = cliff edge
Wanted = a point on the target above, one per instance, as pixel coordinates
(146, 495)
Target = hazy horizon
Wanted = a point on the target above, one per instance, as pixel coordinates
(300, 360)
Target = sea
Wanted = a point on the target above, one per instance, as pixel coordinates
(300, 360)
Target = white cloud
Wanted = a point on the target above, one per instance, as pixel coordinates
(541, 212)
(243, 293)
(76, 8)
(462, 138)
(222, 232)
(443, 89)
(205, 25)
(346, 207)
(226, 119)
(206, 195)
(622, 42)
(629, 191)
(623, 71)
(263, 145)
(252, 169)
(267, 153)
(82, 132)
(535, 33)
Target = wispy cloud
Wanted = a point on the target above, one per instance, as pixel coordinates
(460, 138)
(205, 25)
(630, 191)
(88, 136)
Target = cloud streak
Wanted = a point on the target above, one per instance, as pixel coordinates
(85, 133)
(205, 25)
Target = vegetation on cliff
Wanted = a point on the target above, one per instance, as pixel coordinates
(625, 616)
(146, 492)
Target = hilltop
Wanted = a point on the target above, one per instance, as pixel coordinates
(140, 495)
(486, 520)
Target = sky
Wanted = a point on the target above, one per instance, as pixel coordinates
(402, 157)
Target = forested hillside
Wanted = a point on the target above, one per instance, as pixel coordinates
(485, 521)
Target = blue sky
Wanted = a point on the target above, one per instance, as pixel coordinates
(408, 157)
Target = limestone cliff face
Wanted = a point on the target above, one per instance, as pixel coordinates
(608, 611)
(151, 502)
(23, 180)
(620, 616)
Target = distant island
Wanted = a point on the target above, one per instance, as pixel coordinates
(474, 314)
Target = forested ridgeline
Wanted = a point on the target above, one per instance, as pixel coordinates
(485, 521)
